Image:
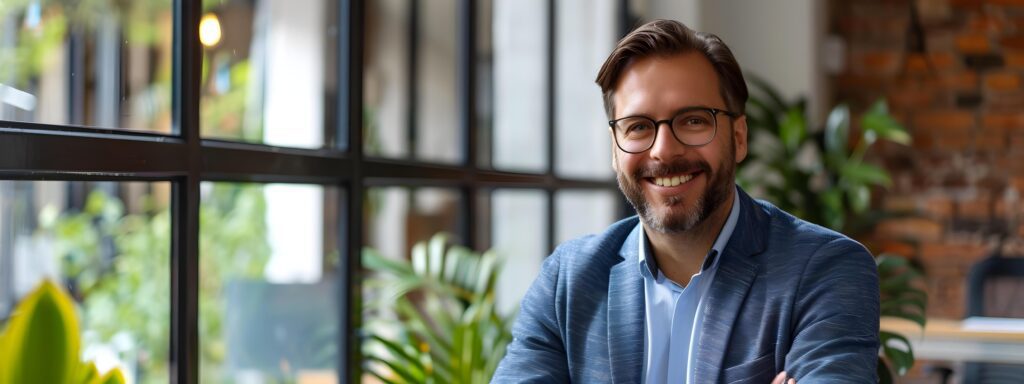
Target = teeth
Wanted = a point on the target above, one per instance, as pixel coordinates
(672, 181)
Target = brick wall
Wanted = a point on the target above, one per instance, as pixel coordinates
(962, 179)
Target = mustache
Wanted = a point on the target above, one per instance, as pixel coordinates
(678, 166)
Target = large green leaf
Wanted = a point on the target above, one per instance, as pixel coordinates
(862, 173)
(397, 368)
(375, 261)
(403, 353)
(878, 120)
(41, 340)
(884, 375)
(860, 198)
(837, 136)
(792, 129)
(832, 208)
(897, 349)
(88, 373)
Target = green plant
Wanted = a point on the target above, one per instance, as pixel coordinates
(41, 344)
(445, 326)
(823, 177)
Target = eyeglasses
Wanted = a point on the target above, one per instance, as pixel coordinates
(694, 126)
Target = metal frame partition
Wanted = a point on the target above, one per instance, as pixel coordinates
(31, 151)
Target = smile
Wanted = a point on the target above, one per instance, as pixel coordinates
(671, 181)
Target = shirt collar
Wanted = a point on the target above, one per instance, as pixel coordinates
(649, 268)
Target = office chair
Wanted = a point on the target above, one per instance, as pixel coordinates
(995, 288)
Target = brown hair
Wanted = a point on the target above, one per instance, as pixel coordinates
(667, 38)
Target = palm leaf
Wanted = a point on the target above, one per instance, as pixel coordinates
(445, 308)
(402, 353)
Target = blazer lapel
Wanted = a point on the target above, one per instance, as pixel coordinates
(626, 314)
(736, 272)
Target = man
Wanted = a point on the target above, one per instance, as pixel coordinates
(707, 285)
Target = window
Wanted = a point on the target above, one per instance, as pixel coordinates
(191, 158)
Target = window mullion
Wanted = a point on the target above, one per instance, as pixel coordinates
(552, 137)
(187, 62)
(350, 103)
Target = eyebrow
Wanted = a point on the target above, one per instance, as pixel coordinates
(675, 112)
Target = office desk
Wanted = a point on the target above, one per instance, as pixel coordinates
(973, 339)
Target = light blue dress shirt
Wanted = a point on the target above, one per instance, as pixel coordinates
(673, 312)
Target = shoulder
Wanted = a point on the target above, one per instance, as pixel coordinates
(805, 241)
(594, 250)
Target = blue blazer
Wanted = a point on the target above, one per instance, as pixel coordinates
(788, 295)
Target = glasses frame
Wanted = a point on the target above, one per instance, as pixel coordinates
(657, 125)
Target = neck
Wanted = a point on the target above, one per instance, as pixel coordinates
(680, 254)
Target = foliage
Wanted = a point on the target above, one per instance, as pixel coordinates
(900, 299)
(231, 112)
(57, 17)
(119, 267)
(815, 175)
(40, 343)
(447, 328)
(821, 176)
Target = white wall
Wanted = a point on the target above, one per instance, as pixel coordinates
(684, 11)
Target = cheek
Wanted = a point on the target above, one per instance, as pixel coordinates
(620, 162)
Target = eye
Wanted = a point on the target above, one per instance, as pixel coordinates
(634, 127)
(638, 126)
(694, 120)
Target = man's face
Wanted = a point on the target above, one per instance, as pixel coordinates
(657, 87)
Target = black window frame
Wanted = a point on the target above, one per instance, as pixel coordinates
(33, 151)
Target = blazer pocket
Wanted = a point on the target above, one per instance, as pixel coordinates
(760, 370)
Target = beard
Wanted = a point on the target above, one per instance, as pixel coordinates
(717, 191)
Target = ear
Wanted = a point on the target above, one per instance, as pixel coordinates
(739, 136)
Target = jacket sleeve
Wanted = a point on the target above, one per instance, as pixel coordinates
(537, 353)
(836, 315)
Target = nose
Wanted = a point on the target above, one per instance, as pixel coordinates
(665, 144)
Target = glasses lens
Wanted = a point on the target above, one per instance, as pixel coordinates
(695, 127)
(634, 134)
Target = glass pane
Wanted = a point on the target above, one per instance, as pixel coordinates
(581, 212)
(268, 72)
(386, 78)
(519, 233)
(515, 60)
(484, 118)
(261, 247)
(108, 245)
(585, 37)
(98, 63)
(438, 136)
(398, 217)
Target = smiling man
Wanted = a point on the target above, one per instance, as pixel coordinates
(705, 284)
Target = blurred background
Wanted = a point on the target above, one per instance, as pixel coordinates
(241, 154)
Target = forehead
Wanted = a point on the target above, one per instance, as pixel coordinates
(658, 86)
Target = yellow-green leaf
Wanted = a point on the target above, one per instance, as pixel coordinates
(113, 376)
(88, 374)
(41, 341)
